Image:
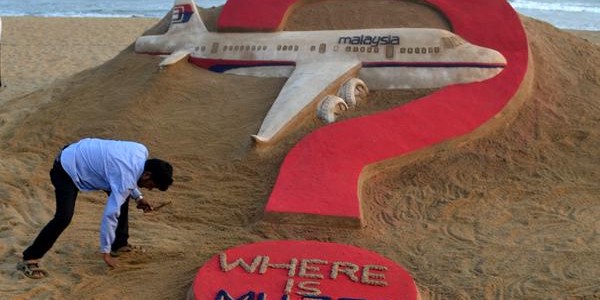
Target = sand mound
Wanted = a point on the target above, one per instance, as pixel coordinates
(512, 214)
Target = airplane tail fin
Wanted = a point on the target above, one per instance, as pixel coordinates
(185, 16)
(184, 31)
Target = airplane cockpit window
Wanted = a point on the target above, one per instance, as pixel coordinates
(452, 41)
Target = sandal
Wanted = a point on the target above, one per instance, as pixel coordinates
(32, 270)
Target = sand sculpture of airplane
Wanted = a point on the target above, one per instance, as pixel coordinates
(318, 63)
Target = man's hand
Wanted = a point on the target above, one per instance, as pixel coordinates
(109, 260)
(144, 205)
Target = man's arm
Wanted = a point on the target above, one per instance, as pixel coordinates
(109, 223)
(135, 194)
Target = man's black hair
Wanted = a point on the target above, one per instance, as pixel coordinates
(161, 172)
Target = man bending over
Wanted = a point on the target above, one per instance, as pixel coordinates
(119, 168)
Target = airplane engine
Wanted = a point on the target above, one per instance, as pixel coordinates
(330, 107)
(353, 91)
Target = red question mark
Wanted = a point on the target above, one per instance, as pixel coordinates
(320, 176)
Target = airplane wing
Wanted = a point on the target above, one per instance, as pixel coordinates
(175, 57)
(307, 84)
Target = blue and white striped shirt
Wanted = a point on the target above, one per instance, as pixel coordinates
(115, 166)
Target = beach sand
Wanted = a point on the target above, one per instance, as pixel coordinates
(36, 52)
(590, 36)
(511, 214)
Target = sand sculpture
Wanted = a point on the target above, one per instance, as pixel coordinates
(321, 63)
(350, 152)
(323, 70)
(289, 270)
(405, 129)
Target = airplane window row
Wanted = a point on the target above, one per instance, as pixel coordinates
(362, 49)
(287, 48)
(322, 49)
(244, 48)
(420, 50)
(403, 50)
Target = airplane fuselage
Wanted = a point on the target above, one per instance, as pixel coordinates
(391, 58)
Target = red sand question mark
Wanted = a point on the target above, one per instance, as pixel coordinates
(320, 175)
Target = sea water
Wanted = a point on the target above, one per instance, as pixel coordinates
(565, 14)
(93, 8)
(572, 14)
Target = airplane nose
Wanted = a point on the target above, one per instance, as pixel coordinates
(500, 58)
(480, 55)
(491, 56)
